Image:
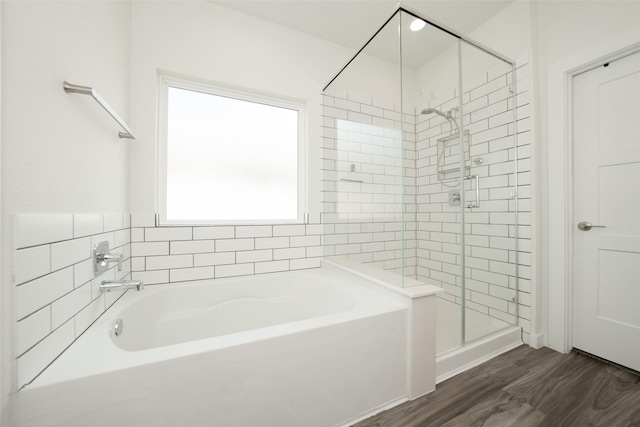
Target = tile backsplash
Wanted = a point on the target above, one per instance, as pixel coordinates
(56, 296)
(178, 254)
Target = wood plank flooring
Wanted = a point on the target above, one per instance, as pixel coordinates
(526, 387)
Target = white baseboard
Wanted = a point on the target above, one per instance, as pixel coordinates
(536, 341)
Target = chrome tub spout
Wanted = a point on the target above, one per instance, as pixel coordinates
(111, 285)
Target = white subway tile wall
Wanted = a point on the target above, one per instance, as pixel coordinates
(363, 220)
(368, 157)
(56, 292)
(177, 254)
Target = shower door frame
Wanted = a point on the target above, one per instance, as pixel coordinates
(467, 208)
(436, 24)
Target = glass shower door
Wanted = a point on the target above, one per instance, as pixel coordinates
(431, 81)
(490, 209)
(362, 157)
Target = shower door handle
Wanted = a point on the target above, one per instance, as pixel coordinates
(586, 226)
(475, 203)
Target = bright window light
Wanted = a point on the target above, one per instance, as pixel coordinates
(230, 159)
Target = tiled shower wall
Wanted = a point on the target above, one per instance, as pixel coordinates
(490, 229)
(56, 292)
(367, 160)
(359, 130)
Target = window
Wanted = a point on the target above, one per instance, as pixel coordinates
(228, 156)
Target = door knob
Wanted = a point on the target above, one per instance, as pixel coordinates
(586, 226)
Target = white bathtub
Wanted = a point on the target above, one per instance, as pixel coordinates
(310, 348)
(191, 313)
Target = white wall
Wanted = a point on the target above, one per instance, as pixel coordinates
(508, 32)
(210, 42)
(60, 152)
(376, 78)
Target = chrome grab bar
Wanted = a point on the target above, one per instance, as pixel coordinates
(85, 90)
(475, 203)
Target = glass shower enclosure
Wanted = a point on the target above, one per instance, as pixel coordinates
(420, 171)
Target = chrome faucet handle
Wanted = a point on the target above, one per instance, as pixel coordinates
(102, 257)
(107, 258)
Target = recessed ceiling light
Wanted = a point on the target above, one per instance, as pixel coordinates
(417, 25)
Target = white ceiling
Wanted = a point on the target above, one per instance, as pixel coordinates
(352, 22)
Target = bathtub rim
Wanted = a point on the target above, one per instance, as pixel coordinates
(405, 287)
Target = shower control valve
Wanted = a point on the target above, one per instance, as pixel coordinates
(102, 258)
(454, 197)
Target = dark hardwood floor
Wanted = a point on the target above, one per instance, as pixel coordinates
(526, 387)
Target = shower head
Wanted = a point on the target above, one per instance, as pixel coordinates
(438, 112)
(449, 116)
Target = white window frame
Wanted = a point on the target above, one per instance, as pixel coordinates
(165, 82)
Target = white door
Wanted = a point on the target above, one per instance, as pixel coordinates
(606, 272)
